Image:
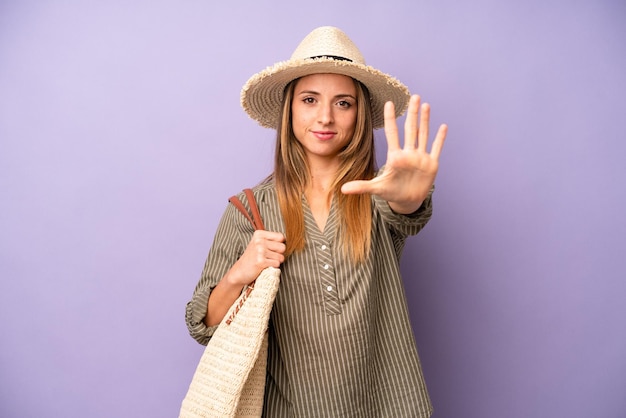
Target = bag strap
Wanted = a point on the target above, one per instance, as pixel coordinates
(257, 222)
(255, 219)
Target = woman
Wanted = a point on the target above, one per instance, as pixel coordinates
(340, 338)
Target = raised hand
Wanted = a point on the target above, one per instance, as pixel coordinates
(409, 172)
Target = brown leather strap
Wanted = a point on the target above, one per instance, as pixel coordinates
(255, 219)
(256, 215)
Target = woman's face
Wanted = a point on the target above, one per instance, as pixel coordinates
(324, 110)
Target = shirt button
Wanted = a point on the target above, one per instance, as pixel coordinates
(326, 266)
(329, 288)
(324, 247)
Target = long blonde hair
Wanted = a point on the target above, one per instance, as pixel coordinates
(357, 162)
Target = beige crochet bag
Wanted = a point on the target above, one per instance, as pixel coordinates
(230, 378)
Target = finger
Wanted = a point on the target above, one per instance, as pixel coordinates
(391, 128)
(274, 258)
(410, 124)
(270, 235)
(276, 247)
(275, 262)
(357, 187)
(422, 140)
(438, 142)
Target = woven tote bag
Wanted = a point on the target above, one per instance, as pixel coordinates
(229, 380)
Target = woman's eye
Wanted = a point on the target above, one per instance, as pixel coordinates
(344, 103)
(308, 100)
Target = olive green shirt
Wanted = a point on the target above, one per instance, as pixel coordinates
(340, 338)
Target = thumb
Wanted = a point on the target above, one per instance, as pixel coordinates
(357, 187)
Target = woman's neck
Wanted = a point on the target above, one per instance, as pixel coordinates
(319, 192)
(321, 179)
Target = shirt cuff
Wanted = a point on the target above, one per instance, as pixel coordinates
(195, 314)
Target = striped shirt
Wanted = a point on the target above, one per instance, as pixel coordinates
(340, 338)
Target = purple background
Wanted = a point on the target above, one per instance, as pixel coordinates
(121, 138)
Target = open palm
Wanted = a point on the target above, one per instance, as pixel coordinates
(410, 171)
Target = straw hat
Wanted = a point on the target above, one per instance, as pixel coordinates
(325, 50)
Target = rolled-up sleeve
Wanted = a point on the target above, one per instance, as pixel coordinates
(409, 224)
(194, 316)
(228, 245)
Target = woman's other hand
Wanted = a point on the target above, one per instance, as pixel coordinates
(265, 249)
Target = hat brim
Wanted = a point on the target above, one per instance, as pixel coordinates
(262, 95)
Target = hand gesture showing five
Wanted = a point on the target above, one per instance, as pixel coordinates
(409, 172)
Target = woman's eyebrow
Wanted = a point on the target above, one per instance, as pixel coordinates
(308, 92)
(340, 96)
(337, 96)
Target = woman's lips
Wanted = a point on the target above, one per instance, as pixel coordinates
(324, 135)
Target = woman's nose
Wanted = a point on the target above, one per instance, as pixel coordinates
(325, 115)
